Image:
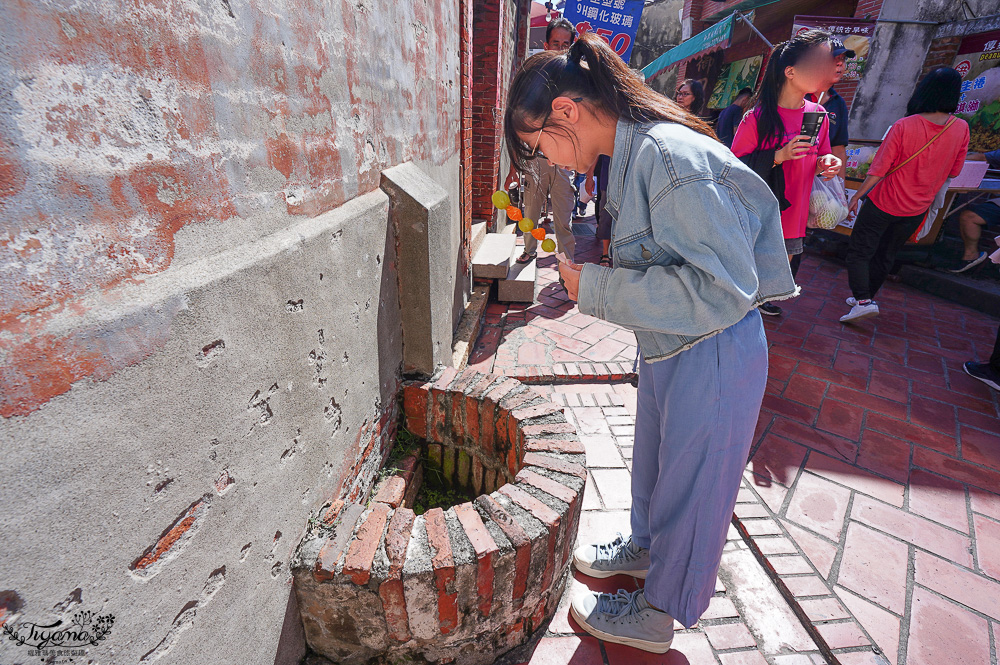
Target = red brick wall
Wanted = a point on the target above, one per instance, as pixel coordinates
(499, 37)
(868, 9)
(941, 53)
(487, 29)
(465, 138)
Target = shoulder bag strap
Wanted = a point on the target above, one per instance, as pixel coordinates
(924, 147)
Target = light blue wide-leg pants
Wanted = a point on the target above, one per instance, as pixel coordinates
(694, 425)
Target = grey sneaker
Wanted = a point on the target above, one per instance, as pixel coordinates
(624, 618)
(860, 311)
(984, 373)
(619, 557)
(851, 301)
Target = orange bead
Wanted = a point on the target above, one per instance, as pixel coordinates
(514, 213)
(539, 233)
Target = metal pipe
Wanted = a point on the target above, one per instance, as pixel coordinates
(894, 20)
(743, 18)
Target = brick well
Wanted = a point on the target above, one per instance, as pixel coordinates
(465, 584)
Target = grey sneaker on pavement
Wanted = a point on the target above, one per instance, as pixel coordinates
(624, 618)
(619, 557)
(851, 301)
(860, 311)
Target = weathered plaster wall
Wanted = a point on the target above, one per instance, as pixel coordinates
(898, 51)
(200, 337)
(138, 136)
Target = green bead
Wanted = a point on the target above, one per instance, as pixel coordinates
(548, 245)
(526, 225)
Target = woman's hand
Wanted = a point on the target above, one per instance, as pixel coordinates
(828, 166)
(570, 272)
(852, 205)
(794, 149)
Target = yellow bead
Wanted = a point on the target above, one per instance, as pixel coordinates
(548, 245)
(526, 225)
(501, 200)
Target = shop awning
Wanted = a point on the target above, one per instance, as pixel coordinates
(712, 37)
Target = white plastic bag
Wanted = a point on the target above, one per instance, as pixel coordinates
(827, 203)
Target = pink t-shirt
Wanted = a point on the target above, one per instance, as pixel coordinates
(799, 173)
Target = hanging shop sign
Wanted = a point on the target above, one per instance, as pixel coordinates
(978, 61)
(856, 34)
(615, 20)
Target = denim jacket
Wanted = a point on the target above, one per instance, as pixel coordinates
(696, 240)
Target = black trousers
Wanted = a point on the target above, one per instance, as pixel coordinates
(995, 358)
(876, 238)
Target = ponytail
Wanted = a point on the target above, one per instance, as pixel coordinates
(592, 70)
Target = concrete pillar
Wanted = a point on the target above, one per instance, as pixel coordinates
(427, 249)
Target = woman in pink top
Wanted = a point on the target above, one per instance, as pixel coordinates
(918, 154)
(770, 135)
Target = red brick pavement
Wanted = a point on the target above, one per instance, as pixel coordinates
(550, 339)
(872, 497)
(878, 461)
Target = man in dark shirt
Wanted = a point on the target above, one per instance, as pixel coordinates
(729, 119)
(835, 105)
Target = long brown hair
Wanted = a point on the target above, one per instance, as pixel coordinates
(591, 70)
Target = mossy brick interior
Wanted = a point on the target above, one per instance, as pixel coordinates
(466, 584)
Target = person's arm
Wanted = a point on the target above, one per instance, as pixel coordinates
(841, 137)
(840, 152)
(960, 156)
(713, 286)
(862, 191)
(993, 157)
(745, 136)
(827, 164)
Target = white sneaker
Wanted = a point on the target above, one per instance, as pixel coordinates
(619, 557)
(851, 301)
(859, 312)
(624, 618)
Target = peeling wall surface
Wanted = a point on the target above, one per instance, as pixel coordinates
(899, 47)
(200, 338)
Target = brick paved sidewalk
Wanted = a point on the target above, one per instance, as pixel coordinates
(878, 462)
(871, 497)
(551, 340)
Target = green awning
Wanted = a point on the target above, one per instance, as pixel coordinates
(706, 39)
